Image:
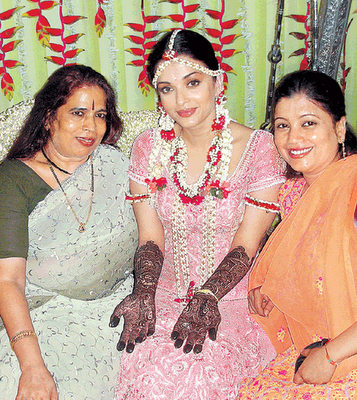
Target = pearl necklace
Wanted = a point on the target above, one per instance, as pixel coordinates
(180, 253)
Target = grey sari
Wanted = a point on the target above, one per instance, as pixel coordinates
(74, 280)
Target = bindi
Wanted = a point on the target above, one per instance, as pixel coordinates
(93, 106)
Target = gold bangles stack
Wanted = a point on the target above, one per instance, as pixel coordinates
(207, 291)
(20, 336)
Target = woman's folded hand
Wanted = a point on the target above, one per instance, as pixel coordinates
(259, 303)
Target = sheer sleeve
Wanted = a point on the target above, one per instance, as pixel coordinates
(268, 168)
(139, 159)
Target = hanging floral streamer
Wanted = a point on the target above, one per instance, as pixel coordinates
(42, 24)
(7, 83)
(44, 31)
(181, 18)
(223, 40)
(303, 36)
(146, 44)
(306, 37)
(99, 20)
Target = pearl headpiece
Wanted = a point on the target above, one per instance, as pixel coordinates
(170, 56)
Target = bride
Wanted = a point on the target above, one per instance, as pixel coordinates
(203, 188)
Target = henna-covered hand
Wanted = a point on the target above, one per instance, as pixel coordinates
(138, 309)
(139, 315)
(230, 271)
(201, 315)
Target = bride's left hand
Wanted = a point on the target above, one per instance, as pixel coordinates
(199, 317)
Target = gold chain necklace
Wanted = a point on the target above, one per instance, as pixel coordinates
(81, 224)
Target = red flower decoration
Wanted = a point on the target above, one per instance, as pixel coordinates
(167, 135)
(160, 183)
(189, 296)
(219, 191)
(216, 126)
(156, 184)
(196, 200)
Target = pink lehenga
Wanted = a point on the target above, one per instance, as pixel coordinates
(156, 369)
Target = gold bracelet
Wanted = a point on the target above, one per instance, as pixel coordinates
(21, 335)
(207, 291)
(329, 359)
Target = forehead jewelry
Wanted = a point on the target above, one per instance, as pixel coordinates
(170, 56)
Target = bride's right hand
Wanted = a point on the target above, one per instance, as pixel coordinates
(138, 310)
(259, 303)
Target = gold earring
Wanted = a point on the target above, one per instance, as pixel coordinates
(343, 149)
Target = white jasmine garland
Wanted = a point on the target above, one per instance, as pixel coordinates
(173, 155)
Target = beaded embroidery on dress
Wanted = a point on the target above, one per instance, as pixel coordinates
(156, 370)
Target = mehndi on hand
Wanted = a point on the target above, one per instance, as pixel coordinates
(201, 315)
(138, 309)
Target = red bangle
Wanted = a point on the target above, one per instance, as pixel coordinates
(136, 198)
(262, 204)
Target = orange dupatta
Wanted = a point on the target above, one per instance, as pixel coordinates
(308, 267)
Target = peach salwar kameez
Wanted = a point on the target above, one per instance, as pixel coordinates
(308, 268)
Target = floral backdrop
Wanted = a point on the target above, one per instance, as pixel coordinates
(115, 36)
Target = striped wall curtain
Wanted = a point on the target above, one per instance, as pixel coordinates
(115, 36)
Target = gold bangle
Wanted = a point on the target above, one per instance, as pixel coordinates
(207, 291)
(21, 335)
